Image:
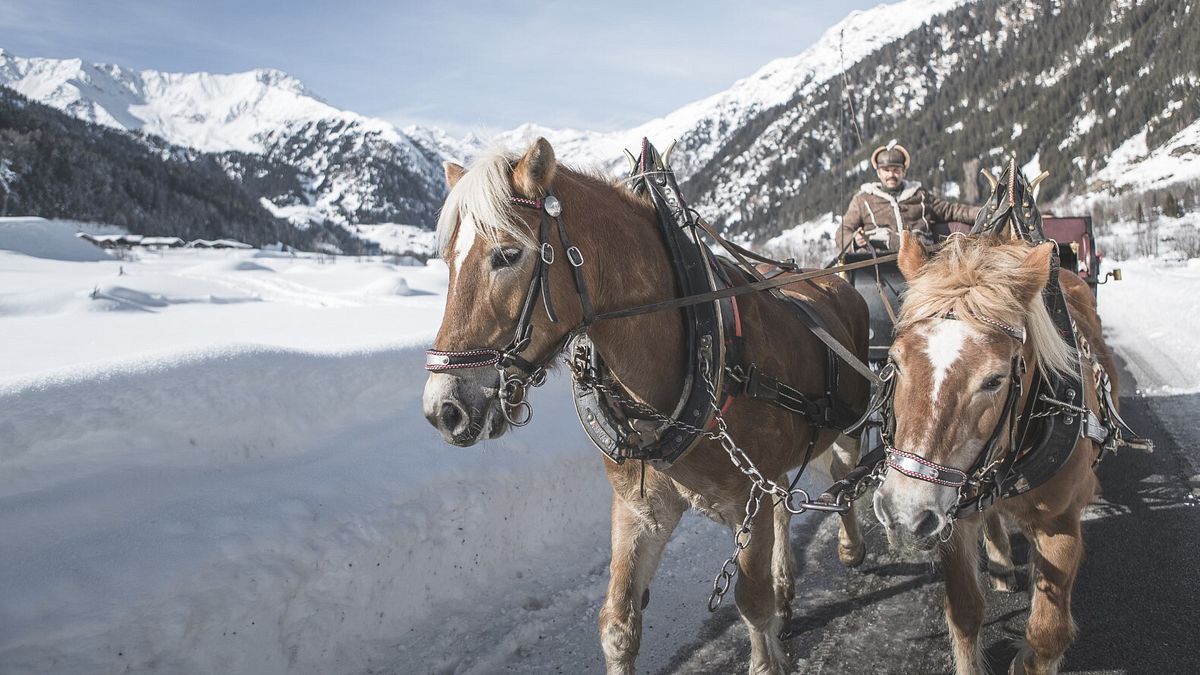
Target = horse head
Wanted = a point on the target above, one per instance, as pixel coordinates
(972, 317)
(524, 240)
(488, 237)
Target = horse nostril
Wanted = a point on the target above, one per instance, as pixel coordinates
(928, 525)
(450, 416)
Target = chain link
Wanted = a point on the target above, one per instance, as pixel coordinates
(760, 486)
(512, 394)
(796, 500)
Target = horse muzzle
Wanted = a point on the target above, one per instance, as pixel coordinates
(463, 407)
(915, 526)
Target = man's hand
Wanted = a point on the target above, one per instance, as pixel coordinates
(859, 240)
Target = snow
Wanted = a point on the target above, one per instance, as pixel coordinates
(41, 238)
(1082, 125)
(1033, 168)
(811, 243)
(234, 475)
(399, 238)
(205, 111)
(1150, 318)
(1134, 166)
(215, 461)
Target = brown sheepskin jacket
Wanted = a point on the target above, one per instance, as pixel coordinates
(879, 213)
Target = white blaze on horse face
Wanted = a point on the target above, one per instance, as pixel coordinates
(943, 345)
(464, 239)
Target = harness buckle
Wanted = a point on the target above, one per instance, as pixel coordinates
(547, 253)
(574, 256)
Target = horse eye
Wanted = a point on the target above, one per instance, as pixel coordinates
(993, 383)
(505, 257)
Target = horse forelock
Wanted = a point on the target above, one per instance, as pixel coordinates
(976, 278)
(483, 195)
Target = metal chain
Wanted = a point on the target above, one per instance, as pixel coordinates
(796, 500)
(759, 487)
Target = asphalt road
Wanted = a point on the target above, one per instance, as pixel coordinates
(1136, 602)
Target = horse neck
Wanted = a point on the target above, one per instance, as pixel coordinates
(645, 353)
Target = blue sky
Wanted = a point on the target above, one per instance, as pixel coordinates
(462, 65)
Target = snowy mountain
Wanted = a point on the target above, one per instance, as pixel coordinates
(1086, 89)
(1099, 92)
(353, 168)
(704, 127)
(356, 169)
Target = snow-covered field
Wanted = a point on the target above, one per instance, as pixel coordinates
(216, 462)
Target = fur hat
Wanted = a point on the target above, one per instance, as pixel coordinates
(892, 154)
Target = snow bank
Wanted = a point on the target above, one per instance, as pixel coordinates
(41, 238)
(1150, 318)
(268, 511)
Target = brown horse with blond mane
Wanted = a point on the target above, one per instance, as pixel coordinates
(972, 313)
(490, 246)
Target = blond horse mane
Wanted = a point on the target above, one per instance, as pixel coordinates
(483, 193)
(979, 278)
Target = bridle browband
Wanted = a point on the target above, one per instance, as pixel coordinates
(514, 386)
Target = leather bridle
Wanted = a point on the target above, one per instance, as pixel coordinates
(989, 469)
(515, 385)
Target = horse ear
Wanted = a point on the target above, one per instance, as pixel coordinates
(1035, 271)
(912, 255)
(534, 171)
(453, 173)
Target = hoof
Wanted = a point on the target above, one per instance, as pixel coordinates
(852, 556)
(1004, 583)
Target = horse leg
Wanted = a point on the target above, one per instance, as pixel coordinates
(755, 593)
(1001, 574)
(783, 563)
(851, 549)
(964, 598)
(1050, 629)
(640, 530)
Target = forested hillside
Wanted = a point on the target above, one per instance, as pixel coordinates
(56, 166)
(1060, 82)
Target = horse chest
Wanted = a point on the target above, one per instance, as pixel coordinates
(727, 512)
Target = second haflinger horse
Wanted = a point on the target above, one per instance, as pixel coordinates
(1000, 397)
(523, 233)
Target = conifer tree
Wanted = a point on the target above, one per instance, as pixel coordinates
(1171, 207)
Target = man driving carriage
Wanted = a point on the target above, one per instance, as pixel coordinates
(879, 211)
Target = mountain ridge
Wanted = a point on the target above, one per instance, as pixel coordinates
(776, 148)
